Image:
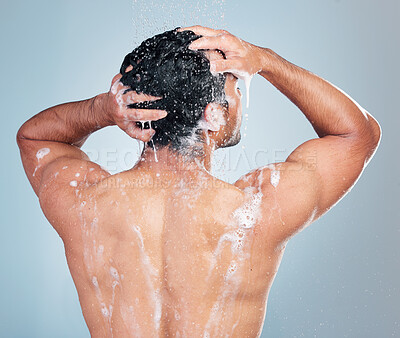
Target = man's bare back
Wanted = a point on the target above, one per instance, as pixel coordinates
(166, 249)
(170, 252)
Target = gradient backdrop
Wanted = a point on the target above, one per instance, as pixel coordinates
(338, 278)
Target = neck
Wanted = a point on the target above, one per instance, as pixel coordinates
(194, 158)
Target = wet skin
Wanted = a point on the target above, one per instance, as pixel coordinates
(159, 250)
(185, 263)
(166, 249)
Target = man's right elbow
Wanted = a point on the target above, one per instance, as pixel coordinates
(21, 137)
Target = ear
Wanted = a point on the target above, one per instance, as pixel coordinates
(214, 116)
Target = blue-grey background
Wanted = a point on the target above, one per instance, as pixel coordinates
(338, 278)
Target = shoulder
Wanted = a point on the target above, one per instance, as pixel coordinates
(279, 178)
(66, 184)
(288, 196)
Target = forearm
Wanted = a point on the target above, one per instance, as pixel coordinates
(69, 123)
(330, 111)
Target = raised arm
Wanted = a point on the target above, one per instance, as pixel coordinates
(318, 173)
(50, 141)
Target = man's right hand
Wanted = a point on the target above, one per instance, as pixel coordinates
(242, 58)
(117, 109)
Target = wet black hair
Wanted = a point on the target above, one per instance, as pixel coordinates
(164, 66)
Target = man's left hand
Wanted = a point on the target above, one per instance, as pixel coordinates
(126, 118)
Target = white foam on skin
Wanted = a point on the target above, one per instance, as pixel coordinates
(151, 272)
(92, 258)
(115, 276)
(130, 321)
(245, 218)
(115, 89)
(191, 140)
(42, 153)
(246, 77)
(73, 183)
(39, 155)
(100, 251)
(226, 300)
(114, 273)
(104, 310)
(231, 270)
(249, 212)
(275, 175)
(154, 148)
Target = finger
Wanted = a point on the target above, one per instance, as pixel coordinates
(117, 86)
(134, 97)
(145, 114)
(200, 30)
(115, 79)
(134, 131)
(212, 42)
(226, 66)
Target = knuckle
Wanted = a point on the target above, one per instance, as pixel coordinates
(226, 37)
(119, 114)
(195, 29)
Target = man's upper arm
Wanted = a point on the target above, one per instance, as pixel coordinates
(334, 163)
(58, 173)
(57, 164)
(315, 176)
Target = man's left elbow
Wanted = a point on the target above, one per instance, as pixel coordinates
(373, 138)
(376, 132)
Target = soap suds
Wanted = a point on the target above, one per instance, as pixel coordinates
(249, 212)
(244, 218)
(151, 272)
(42, 153)
(275, 174)
(153, 146)
(275, 177)
(246, 77)
(39, 155)
(115, 89)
